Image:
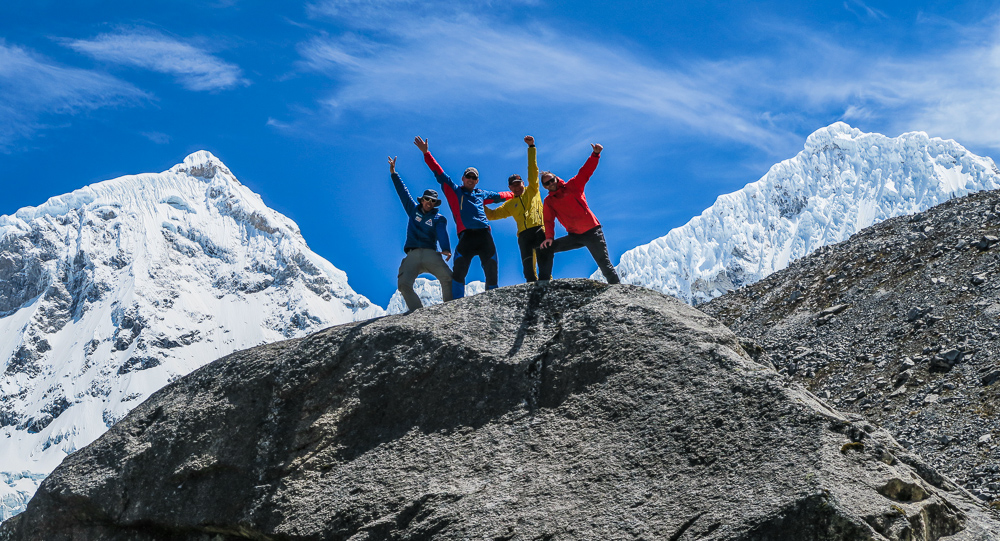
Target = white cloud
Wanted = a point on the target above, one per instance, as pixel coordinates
(32, 88)
(866, 12)
(195, 68)
(809, 79)
(464, 60)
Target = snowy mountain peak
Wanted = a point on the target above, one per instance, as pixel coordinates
(843, 181)
(111, 291)
(203, 164)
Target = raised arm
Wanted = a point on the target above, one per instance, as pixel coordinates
(588, 168)
(533, 184)
(404, 195)
(432, 164)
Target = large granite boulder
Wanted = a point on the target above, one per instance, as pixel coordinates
(572, 410)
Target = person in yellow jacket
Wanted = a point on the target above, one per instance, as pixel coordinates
(526, 209)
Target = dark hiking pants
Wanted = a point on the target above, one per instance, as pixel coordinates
(472, 243)
(528, 241)
(593, 240)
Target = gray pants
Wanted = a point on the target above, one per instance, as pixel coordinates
(417, 261)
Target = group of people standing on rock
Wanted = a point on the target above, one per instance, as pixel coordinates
(427, 229)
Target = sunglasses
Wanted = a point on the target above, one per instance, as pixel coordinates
(426, 198)
(551, 180)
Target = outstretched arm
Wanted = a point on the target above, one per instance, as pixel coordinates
(496, 197)
(432, 164)
(404, 195)
(499, 213)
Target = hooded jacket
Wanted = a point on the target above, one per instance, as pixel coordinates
(568, 203)
(423, 229)
(526, 209)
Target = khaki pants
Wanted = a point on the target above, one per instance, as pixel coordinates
(416, 262)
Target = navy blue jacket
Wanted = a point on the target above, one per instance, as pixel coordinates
(423, 229)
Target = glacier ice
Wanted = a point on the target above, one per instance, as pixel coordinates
(843, 181)
(114, 290)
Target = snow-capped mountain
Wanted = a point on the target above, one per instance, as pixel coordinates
(429, 292)
(111, 291)
(843, 181)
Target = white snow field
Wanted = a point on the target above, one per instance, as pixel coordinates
(843, 181)
(112, 291)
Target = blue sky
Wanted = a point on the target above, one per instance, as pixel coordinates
(304, 100)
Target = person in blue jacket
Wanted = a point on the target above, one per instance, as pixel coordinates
(425, 229)
(474, 235)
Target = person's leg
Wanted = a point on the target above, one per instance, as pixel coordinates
(409, 268)
(488, 258)
(542, 257)
(434, 264)
(460, 268)
(567, 243)
(594, 241)
(526, 246)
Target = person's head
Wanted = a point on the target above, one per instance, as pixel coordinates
(515, 184)
(549, 180)
(429, 200)
(470, 178)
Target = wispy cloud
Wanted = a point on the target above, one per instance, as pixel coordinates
(465, 60)
(33, 89)
(194, 67)
(808, 79)
(156, 137)
(864, 11)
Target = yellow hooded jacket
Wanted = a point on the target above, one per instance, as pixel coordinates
(526, 209)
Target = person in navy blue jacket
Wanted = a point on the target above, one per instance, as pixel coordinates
(474, 235)
(425, 229)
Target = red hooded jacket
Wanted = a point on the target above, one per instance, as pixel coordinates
(569, 204)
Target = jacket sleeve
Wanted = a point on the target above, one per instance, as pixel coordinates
(442, 178)
(533, 184)
(499, 213)
(581, 178)
(441, 226)
(496, 197)
(550, 221)
(404, 195)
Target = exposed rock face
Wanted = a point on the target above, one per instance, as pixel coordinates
(572, 410)
(914, 342)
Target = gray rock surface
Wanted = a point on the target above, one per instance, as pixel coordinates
(920, 340)
(572, 410)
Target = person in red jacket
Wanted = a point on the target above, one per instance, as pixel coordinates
(567, 202)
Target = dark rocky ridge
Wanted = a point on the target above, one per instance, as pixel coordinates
(900, 323)
(572, 410)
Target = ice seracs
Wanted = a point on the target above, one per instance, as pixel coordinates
(843, 181)
(111, 291)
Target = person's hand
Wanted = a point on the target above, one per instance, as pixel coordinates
(545, 243)
(597, 148)
(421, 144)
(392, 164)
(530, 140)
(447, 255)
